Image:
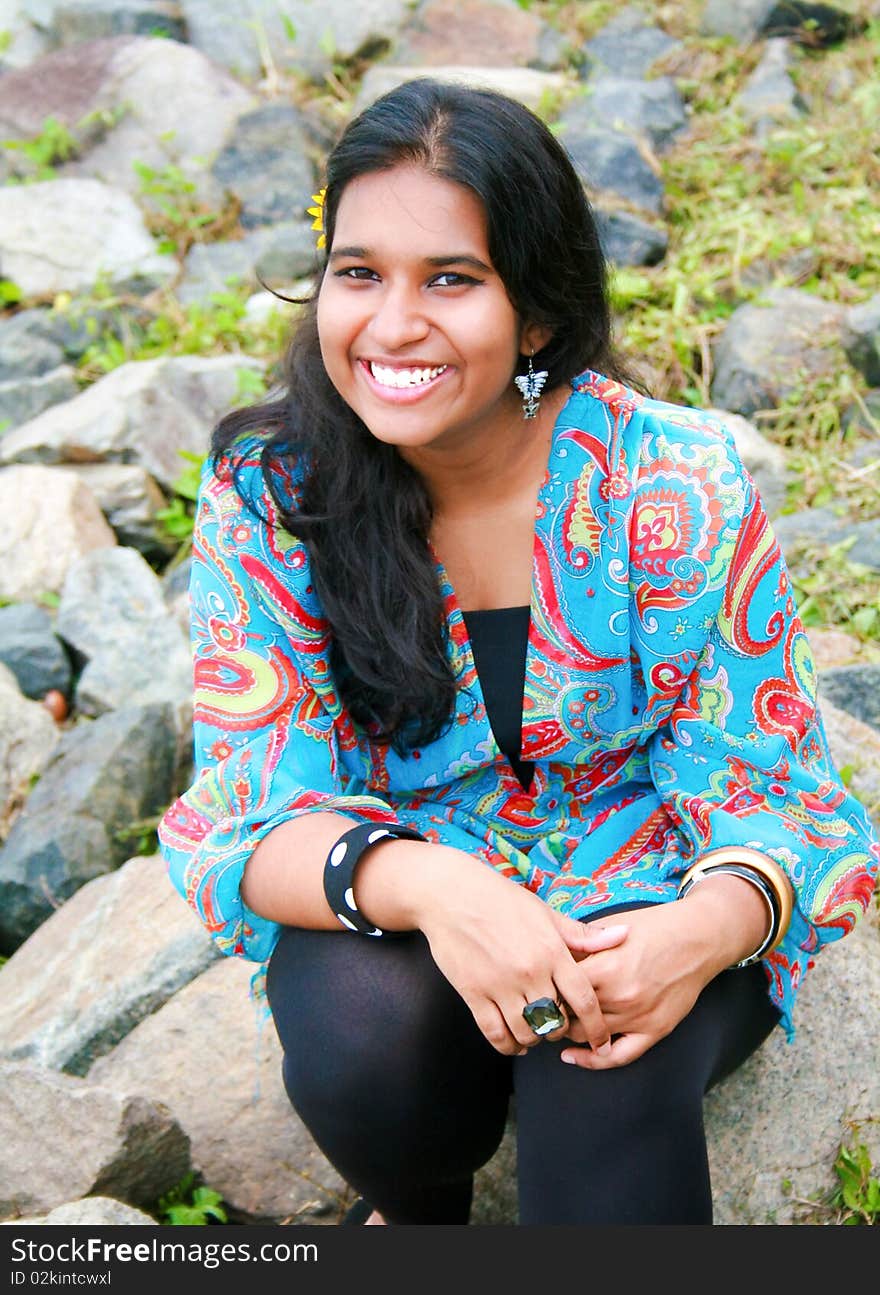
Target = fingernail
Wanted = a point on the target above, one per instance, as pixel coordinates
(568, 1058)
(604, 1049)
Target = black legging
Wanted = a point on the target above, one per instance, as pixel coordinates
(405, 1097)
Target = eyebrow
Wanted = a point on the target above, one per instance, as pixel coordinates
(452, 258)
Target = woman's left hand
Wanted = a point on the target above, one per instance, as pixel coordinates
(650, 982)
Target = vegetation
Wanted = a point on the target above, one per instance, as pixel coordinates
(189, 1205)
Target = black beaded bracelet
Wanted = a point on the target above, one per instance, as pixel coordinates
(342, 860)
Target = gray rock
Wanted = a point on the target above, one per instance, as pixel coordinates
(83, 20)
(66, 235)
(208, 1056)
(147, 412)
(109, 957)
(861, 338)
(610, 162)
(92, 1211)
(105, 776)
(817, 529)
(28, 736)
(50, 519)
(282, 252)
(271, 36)
(30, 648)
(770, 96)
(770, 347)
(25, 349)
(25, 42)
(23, 398)
(627, 46)
(774, 1127)
(126, 100)
(525, 84)
(446, 32)
(65, 1138)
(798, 20)
(130, 500)
(627, 240)
(266, 167)
(854, 688)
(111, 606)
(652, 109)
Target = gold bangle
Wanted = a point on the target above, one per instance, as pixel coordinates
(768, 868)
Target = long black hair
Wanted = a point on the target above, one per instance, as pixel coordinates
(363, 513)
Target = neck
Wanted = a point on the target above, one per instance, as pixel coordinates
(487, 469)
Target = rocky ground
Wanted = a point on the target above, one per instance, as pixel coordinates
(157, 160)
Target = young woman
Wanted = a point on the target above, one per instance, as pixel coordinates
(508, 762)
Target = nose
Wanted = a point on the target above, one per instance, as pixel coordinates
(399, 319)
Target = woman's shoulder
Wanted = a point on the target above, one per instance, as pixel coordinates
(254, 475)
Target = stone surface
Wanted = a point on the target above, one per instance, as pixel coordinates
(800, 20)
(31, 650)
(206, 1056)
(129, 99)
(64, 1138)
(67, 235)
(147, 412)
(24, 398)
(806, 535)
(104, 776)
(266, 166)
(855, 746)
(28, 736)
(626, 239)
(83, 20)
(91, 1211)
(130, 500)
(652, 109)
(861, 338)
(110, 956)
(448, 32)
(854, 688)
(770, 96)
(781, 1118)
(50, 519)
(26, 349)
(771, 347)
(527, 85)
(111, 605)
(611, 163)
(627, 45)
(276, 35)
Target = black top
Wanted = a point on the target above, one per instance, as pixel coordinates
(498, 639)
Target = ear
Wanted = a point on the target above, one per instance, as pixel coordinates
(533, 338)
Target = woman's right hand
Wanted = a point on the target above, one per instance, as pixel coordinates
(501, 947)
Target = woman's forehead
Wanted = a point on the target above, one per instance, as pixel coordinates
(383, 207)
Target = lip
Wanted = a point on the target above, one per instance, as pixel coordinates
(401, 395)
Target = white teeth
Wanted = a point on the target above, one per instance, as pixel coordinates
(404, 377)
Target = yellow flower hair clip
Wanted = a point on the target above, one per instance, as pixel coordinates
(318, 212)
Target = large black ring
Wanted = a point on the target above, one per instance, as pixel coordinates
(543, 1016)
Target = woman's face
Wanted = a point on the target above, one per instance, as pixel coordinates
(417, 332)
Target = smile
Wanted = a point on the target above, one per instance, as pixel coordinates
(402, 379)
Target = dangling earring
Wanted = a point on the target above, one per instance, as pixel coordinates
(531, 384)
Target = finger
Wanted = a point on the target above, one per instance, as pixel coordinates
(493, 1025)
(576, 990)
(594, 937)
(624, 1049)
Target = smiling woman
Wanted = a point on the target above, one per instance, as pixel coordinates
(497, 663)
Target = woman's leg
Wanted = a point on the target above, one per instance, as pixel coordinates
(386, 1067)
(628, 1145)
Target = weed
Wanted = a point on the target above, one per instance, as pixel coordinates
(175, 521)
(187, 1205)
(857, 1197)
(176, 215)
(53, 145)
